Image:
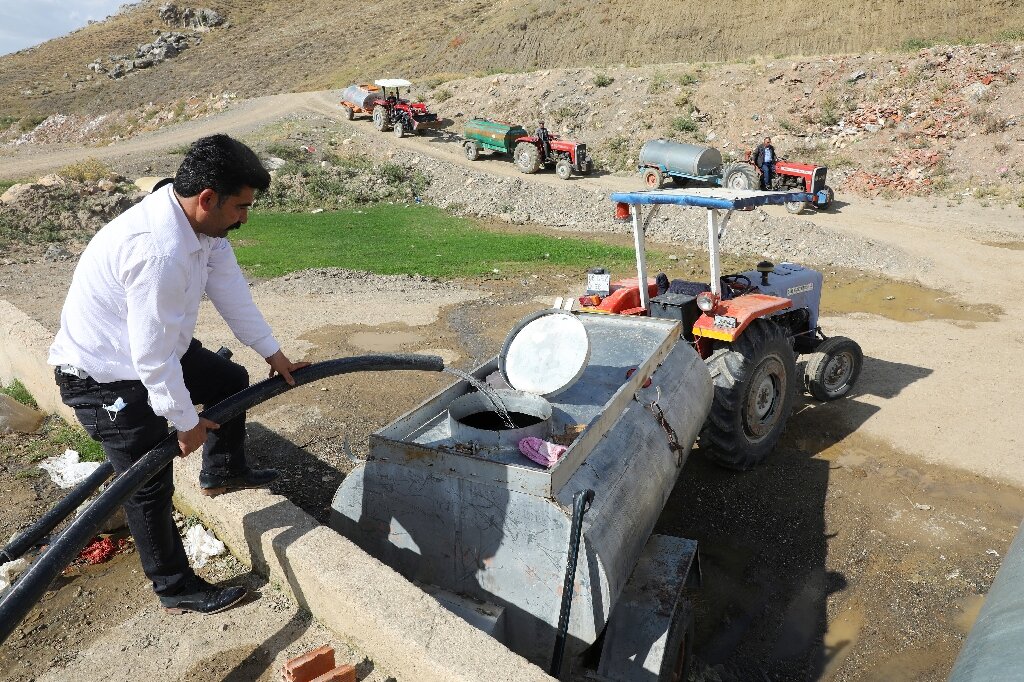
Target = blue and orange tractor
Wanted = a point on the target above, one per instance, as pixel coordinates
(749, 327)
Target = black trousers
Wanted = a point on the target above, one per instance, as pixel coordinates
(130, 433)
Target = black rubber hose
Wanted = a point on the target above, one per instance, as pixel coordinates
(29, 537)
(32, 535)
(581, 502)
(28, 589)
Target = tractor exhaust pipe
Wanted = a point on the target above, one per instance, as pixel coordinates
(28, 589)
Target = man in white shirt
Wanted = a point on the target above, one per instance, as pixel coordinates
(126, 361)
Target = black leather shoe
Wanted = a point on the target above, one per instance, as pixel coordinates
(213, 485)
(202, 597)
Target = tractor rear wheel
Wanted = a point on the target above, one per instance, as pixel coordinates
(472, 150)
(563, 169)
(755, 386)
(527, 157)
(381, 120)
(350, 113)
(399, 130)
(652, 178)
(680, 181)
(796, 207)
(740, 176)
(833, 367)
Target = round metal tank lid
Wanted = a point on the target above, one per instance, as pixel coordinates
(545, 353)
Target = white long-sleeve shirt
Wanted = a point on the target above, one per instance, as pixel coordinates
(134, 299)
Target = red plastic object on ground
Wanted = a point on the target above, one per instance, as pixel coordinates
(101, 550)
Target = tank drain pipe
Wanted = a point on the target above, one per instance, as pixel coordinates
(31, 585)
(581, 502)
(31, 536)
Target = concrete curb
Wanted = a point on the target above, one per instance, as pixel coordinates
(24, 347)
(405, 631)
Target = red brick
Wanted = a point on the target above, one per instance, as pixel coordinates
(343, 673)
(309, 665)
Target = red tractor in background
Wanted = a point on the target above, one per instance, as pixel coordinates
(790, 177)
(565, 155)
(400, 115)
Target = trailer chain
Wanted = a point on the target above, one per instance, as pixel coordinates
(673, 439)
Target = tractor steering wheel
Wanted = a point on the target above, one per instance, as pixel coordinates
(737, 284)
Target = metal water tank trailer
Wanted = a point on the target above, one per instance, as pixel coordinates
(681, 158)
(476, 519)
(361, 96)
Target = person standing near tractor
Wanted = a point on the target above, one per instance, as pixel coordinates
(544, 137)
(765, 158)
(126, 360)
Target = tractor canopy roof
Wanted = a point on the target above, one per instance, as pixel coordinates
(710, 197)
(392, 83)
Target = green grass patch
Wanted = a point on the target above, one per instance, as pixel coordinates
(17, 390)
(391, 240)
(684, 124)
(58, 436)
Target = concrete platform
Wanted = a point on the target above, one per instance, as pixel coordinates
(400, 627)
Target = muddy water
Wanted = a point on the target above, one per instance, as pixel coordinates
(899, 301)
(839, 558)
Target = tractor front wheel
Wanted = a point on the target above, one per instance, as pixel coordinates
(527, 157)
(399, 130)
(472, 150)
(652, 178)
(796, 207)
(740, 176)
(381, 120)
(829, 198)
(755, 381)
(350, 113)
(563, 169)
(833, 367)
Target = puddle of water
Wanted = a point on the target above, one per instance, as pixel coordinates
(384, 342)
(967, 612)
(900, 301)
(1013, 246)
(842, 634)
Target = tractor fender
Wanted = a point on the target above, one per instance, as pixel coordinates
(730, 317)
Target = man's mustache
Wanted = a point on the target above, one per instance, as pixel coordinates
(235, 226)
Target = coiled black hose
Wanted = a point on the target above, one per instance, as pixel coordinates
(27, 590)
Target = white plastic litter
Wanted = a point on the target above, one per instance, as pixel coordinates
(10, 571)
(66, 471)
(200, 545)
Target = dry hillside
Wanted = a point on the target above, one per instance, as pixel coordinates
(273, 46)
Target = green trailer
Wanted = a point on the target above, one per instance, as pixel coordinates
(495, 136)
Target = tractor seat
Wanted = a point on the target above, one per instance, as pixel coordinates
(679, 286)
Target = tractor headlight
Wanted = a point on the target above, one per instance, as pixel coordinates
(707, 301)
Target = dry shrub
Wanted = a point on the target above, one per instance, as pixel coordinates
(86, 170)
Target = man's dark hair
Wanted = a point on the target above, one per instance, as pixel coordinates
(220, 163)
